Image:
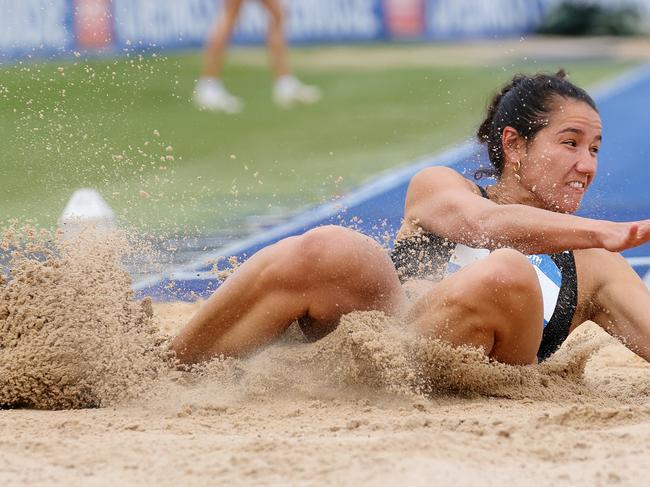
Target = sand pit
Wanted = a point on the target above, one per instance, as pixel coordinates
(369, 403)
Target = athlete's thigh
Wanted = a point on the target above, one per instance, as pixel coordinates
(334, 301)
(438, 302)
(369, 285)
(359, 276)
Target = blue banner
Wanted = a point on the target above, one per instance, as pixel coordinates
(476, 19)
(185, 23)
(56, 26)
(44, 27)
(35, 27)
(162, 23)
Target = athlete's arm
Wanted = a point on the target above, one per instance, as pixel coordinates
(441, 201)
(621, 303)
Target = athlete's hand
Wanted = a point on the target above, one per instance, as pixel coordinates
(622, 236)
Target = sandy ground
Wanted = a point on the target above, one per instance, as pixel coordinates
(589, 431)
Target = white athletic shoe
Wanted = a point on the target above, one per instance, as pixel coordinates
(210, 94)
(289, 90)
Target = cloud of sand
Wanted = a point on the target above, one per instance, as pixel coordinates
(72, 335)
(370, 354)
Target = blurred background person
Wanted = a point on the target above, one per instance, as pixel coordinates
(210, 92)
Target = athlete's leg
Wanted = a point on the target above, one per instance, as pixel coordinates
(218, 39)
(275, 38)
(320, 275)
(495, 304)
(287, 89)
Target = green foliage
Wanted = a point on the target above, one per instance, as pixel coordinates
(583, 19)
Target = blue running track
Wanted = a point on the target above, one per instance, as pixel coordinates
(621, 192)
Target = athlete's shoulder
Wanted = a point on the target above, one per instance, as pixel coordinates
(436, 177)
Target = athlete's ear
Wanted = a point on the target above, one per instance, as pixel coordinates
(513, 145)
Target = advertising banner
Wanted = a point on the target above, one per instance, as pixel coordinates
(467, 19)
(35, 27)
(334, 20)
(93, 24)
(404, 19)
(46, 27)
(185, 23)
(162, 23)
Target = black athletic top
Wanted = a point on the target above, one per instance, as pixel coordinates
(428, 256)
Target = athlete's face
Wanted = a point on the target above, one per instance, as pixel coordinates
(560, 163)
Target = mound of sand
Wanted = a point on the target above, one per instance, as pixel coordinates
(70, 333)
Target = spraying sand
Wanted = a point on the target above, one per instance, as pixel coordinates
(369, 403)
(70, 333)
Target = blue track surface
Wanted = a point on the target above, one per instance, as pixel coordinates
(621, 192)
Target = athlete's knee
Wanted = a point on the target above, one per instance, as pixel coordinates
(342, 246)
(508, 273)
(349, 259)
(319, 254)
(502, 287)
(497, 278)
(286, 263)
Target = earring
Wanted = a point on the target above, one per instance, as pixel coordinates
(517, 168)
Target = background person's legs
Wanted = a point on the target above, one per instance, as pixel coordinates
(210, 92)
(287, 89)
(275, 39)
(321, 275)
(495, 304)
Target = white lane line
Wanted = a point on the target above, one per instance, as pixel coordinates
(638, 261)
(620, 83)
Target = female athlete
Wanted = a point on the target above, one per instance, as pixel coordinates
(507, 268)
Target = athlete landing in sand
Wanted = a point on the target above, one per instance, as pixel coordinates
(508, 269)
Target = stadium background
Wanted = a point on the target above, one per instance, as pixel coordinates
(60, 26)
(95, 92)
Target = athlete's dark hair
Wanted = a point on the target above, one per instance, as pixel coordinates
(524, 104)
